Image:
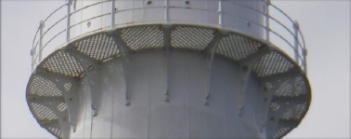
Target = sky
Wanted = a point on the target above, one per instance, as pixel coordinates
(324, 23)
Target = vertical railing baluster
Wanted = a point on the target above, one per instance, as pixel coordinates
(68, 21)
(32, 53)
(167, 11)
(41, 27)
(296, 41)
(267, 19)
(113, 14)
(220, 13)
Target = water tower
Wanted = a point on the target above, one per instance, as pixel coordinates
(168, 69)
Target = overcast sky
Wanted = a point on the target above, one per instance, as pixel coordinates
(325, 24)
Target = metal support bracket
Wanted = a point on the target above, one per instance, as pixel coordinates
(241, 95)
(125, 51)
(267, 100)
(247, 65)
(91, 68)
(210, 54)
(167, 30)
(69, 87)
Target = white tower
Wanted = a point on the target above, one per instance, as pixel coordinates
(168, 69)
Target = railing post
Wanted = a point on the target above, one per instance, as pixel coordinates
(304, 59)
(33, 53)
(167, 11)
(296, 41)
(40, 40)
(267, 19)
(113, 14)
(220, 13)
(68, 21)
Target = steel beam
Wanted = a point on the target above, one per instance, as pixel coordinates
(124, 50)
(91, 67)
(210, 50)
(167, 30)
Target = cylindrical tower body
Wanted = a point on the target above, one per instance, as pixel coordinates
(184, 76)
(169, 69)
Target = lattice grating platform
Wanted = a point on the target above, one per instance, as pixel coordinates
(237, 47)
(234, 46)
(295, 112)
(272, 63)
(62, 63)
(281, 132)
(43, 112)
(40, 86)
(62, 107)
(56, 131)
(191, 38)
(98, 47)
(147, 37)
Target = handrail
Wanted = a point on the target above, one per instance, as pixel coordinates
(299, 40)
(88, 6)
(53, 38)
(47, 30)
(54, 12)
(272, 31)
(35, 36)
(262, 13)
(281, 11)
(88, 20)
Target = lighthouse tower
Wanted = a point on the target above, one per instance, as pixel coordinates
(168, 69)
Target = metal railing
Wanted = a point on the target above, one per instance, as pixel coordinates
(296, 44)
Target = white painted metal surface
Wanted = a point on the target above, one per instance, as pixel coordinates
(219, 13)
(185, 115)
(168, 69)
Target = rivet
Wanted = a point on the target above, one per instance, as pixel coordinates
(148, 2)
(187, 2)
(88, 24)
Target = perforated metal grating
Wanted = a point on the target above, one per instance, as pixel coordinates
(40, 86)
(281, 132)
(237, 47)
(288, 87)
(67, 86)
(145, 37)
(98, 47)
(43, 112)
(274, 107)
(191, 37)
(301, 85)
(295, 112)
(63, 63)
(272, 63)
(56, 131)
(61, 107)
